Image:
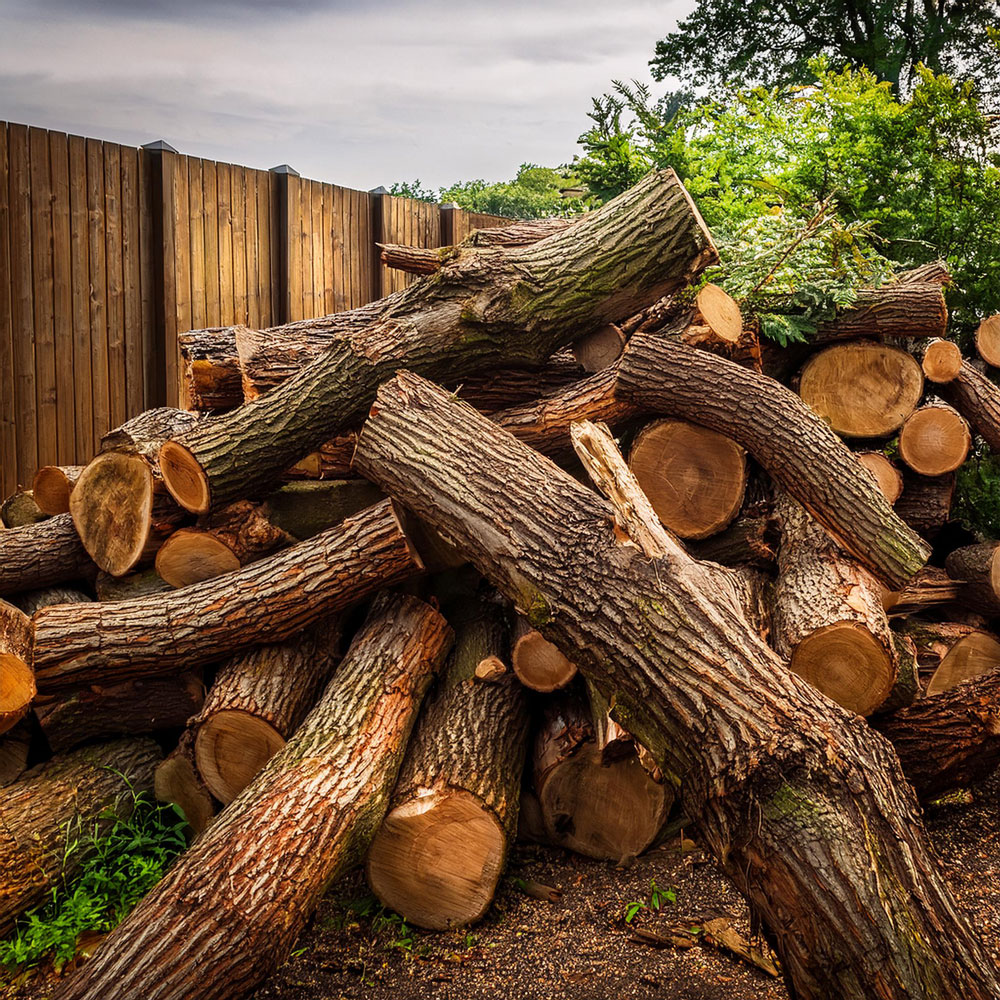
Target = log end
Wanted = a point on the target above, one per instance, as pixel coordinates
(190, 556)
(51, 489)
(185, 478)
(600, 349)
(539, 665)
(848, 664)
(437, 858)
(888, 477)
(721, 312)
(177, 782)
(17, 690)
(972, 656)
(935, 440)
(988, 340)
(231, 748)
(942, 361)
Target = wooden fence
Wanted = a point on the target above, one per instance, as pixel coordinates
(108, 252)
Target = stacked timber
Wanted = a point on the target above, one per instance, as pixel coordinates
(715, 626)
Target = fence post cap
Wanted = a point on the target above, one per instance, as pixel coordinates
(379, 190)
(450, 206)
(284, 168)
(159, 146)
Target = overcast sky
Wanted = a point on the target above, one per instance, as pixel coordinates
(360, 94)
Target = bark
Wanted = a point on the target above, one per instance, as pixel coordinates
(144, 583)
(257, 702)
(229, 911)
(796, 448)
(56, 802)
(52, 486)
(930, 588)
(925, 504)
(306, 509)
(487, 307)
(15, 748)
(978, 400)
(439, 853)
(748, 541)
(934, 272)
(236, 535)
(828, 617)
(177, 781)
(934, 640)
(977, 568)
(762, 754)
(950, 739)
(35, 600)
(101, 712)
(935, 440)
(267, 601)
(907, 688)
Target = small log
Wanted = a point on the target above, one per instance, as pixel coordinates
(59, 802)
(177, 781)
(267, 601)
(930, 588)
(977, 568)
(888, 477)
(828, 616)
(34, 600)
(235, 536)
(988, 340)
(934, 440)
(600, 349)
(15, 749)
(748, 541)
(17, 680)
(101, 712)
(42, 555)
(925, 503)
(143, 583)
(862, 390)
(971, 656)
(52, 486)
(538, 664)
(796, 448)
(940, 361)
(306, 509)
(439, 853)
(228, 913)
(256, 703)
(978, 400)
(695, 478)
(20, 510)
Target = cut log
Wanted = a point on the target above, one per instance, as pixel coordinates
(267, 601)
(907, 688)
(933, 272)
(257, 702)
(978, 400)
(828, 617)
(941, 361)
(306, 509)
(101, 712)
(52, 486)
(439, 853)
(119, 505)
(925, 503)
(862, 390)
(934, 440)
(236, 535)
(177, 781)
(143, 583)
(930, 588)
(17, 680)
(15, 748)
(988, 340)
(538, 664)
(20, 510)
(600, 349)
(796, 448)
(748, 541)
(228, 913)
(977, 567)
(934, 640)
(695, 478)
(485, 308)
(611, 811)
(888, 477)
(54, 804)
(42, 555)
(776, 777)
(971, 656)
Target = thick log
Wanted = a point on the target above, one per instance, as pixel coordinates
(236, 535)
(267, 601)
(228, 913)
(828, 617)
(538, 664)
(759, 769)
(52, 486)
(102, 712)
(888, 477)
(797, 449)
(439, 853)
(862, 390)
(988, 340)
(485, 308)
(695, 478)
(925, 503)
(20, 510)
(934, 440)
(257, 702)
(177, 781)
(977, 568)
(56, 803)
(306, 509)
(17, 680)
(978, 400)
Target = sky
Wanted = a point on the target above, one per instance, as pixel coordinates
(360, 94)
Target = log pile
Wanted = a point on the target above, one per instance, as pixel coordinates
(555, 486)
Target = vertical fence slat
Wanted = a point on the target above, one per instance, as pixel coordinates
(132, 273)
(116, 305)
(210, 208)
(264, 247)
(98, 291)
(239, 213)
(224, 185)
(62, 299)
(79, 265)
(251, 237)
(8, 412)
(196, 231)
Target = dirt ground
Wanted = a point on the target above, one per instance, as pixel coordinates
(581, 945)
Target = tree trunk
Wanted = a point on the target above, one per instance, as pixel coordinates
(177, 781)
(925, 504)
(228, 912)
(267, 601)
(236, 535)
(862, 390)
(828, 617)
(42, 555)
(20, 510)
(439, 853)
(934, 440)
(54, 804)
(977, 567)
(52, 486)
(695, 478)
(257, 702)
(777, 777)
(485, 308)
(978, 400)
(101, 712)
(794, 445)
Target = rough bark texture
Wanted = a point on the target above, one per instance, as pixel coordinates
(267, 601)
(52, 486)
(306, 509)
(487, 307)
(15, 747)
(229, 911)
(42, 555)
(925, 504)
(828, 617)
(257, 702)
(441, 849)
(34, 600)
(906, 690)
(978, 400)
(930, 588)
(748, 541)
(177, 780)
(794, 446)
(54, 802)
(143, 583)
(763, 756)
(100, 712)
(978, 569)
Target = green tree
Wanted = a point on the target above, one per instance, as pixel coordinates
(732, 42)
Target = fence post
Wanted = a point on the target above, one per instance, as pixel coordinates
(379, 199)
(449, 213)
(284, 312)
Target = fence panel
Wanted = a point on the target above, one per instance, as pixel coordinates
(409, 222)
